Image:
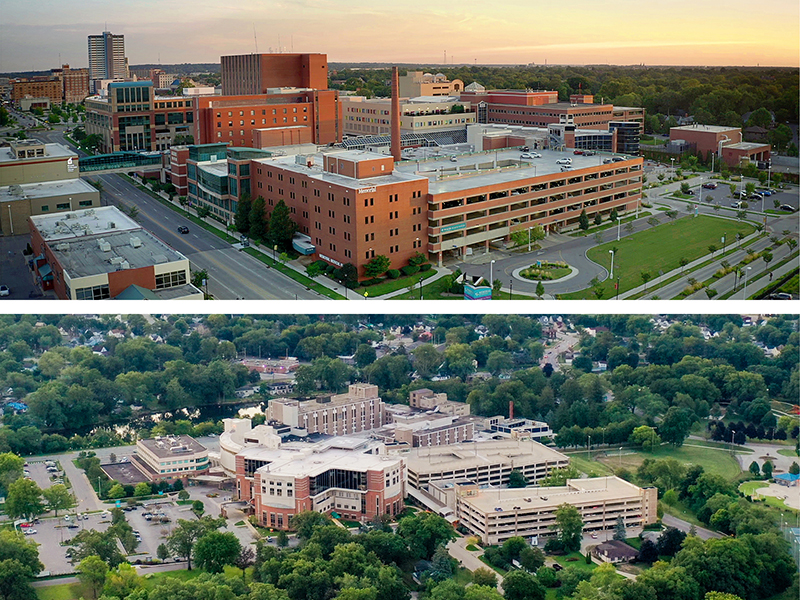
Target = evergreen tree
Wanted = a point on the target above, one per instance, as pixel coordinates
(619, 529)
(584, 220)
(242, 218)
(258, 223)
(281, 227)
(598, 219)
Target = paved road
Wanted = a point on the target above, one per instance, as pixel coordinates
(232, 274)
(702, 533)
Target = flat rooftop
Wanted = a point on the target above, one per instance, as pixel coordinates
(311, 461)
(173, 445)
(46, 189)
(474, 454)
(50, 151)
(83, 256)
(473, 170)
(598, 489)
(92, 221)
(746, 145)
(316, 172)
(708, 128)
(217, 167)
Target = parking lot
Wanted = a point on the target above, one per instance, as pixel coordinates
(14, 271)
(722, 196)
(154, 531)
(38, 473)
(52, 533)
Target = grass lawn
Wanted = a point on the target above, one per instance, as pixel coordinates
(491, 566)
(713, 461)
(555, 273)
(634, 542)
(391, 285)
(472, 548)
(568, 561)
(432, 291)
(581, 461)
(298, 277)
(64, 591)
(659, 248)
(787, 452)
(748, 487)
(463, 576)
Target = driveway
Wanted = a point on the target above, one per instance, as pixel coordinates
(702, 533)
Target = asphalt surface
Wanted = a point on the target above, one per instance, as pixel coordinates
(573, 250)
(232, 274)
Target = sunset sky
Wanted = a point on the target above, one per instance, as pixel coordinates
(42, 34)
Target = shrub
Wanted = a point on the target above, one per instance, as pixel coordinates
(425, 267)
(393, 273)
(373, 281)
(330, 270)
(320, 264)
(456, 288)
(417, 259)
(410, 269)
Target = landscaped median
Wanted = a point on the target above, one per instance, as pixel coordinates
(639, 258)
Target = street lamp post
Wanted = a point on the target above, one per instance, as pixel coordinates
(745, 282)
(491, 273)
(529, 238)
(619, 227)
(611, 252)
(510, 288)
(589, 448)
(732, 434)
(420, 289)
(673, 166)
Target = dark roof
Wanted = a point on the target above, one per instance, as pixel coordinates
(616, 549)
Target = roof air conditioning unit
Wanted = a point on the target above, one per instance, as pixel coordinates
(71, 215)
(136, 242)
(117, 260)
(125, 264)
(105, 246)
(112, 225)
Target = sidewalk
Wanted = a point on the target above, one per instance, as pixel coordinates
(440, 272)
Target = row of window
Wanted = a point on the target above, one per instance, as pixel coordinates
(168, 280)
(263, 112)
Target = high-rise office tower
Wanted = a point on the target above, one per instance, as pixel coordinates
(107, 56)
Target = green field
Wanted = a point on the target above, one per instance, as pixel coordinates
(568, 560)
(64, 591)
(787, 452)
(713, 460)
(392, 285)
(660, 248)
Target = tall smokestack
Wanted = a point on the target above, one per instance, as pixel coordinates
(510, 409)
(395, 114)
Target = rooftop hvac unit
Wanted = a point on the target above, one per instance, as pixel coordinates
(136, 242)
(117, 260)
(125, 264)
(105, 246)
(62, 247)
(112, 225)
(89, 212)
(71, 215)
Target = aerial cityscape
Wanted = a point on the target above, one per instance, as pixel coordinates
(399, 456)
(284, 176)
(227, 442)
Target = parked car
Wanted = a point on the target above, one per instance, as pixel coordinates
(710, 185)
(67, 518)
(564, 161)
(525, 149)
(756, 196)
(589, 152)
(453, 159)
(525, 155)
(30, 532)
(690, 192)
(764, 192)
(536, 155)
(4, 291)
(618, 158)
(578, 152)
(781, 296)
(788, 207)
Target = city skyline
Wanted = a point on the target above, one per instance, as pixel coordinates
(47, 34)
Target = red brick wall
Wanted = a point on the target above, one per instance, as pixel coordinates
(118, 281)
(266, 138)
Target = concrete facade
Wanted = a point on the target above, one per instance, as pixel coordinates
(171, 457)
(107, 56)
(360, 409)
(497, 515)
(483, 463)
(37, 179)
(363, 116)
(417, 83)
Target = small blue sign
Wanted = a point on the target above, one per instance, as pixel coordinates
(474, 292)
